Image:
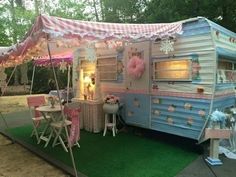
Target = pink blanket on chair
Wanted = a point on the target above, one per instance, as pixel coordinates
(73, 114)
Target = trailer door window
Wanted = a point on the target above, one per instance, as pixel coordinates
(226, 72)
(172, 70)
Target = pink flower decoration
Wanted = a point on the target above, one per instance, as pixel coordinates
(190, 121)
(136, 67)
(111, 99)
(202, 113)
(169, 120)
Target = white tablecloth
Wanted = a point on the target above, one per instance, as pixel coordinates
(91, 115)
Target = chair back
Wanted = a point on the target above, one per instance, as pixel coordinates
(71, 111)
(34, 102)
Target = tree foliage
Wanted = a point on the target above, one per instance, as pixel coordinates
(72, 9)
(16, 17)
(222, 12)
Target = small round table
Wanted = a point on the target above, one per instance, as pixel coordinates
(48, 110)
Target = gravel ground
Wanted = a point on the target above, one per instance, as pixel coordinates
(16, 161)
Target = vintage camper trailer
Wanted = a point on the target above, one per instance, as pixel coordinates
(180, 82)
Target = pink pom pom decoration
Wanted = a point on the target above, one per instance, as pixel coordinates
(136, 67)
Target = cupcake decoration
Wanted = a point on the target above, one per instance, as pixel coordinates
(188, 106)
(171, 108)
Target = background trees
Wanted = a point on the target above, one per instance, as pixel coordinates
(16, 16)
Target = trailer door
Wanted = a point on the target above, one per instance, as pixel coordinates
(137, 89)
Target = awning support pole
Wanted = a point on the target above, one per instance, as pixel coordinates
(68, 84)
(62, 112)
(32, 80)
(4, 89)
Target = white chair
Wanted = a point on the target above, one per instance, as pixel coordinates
(71, 112)
(34, 102)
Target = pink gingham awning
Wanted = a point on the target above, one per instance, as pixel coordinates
(100, 30)
(56, 28)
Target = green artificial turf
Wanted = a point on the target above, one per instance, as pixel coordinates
(125, 155)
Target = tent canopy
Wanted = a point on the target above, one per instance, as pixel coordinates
(3, 50)
(56, 60)
(64, 35)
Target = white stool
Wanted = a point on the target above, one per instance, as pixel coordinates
(109, 124)
(110, 110)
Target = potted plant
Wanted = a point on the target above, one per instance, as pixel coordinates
(111, 104)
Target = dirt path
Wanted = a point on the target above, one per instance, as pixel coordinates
(18, 162)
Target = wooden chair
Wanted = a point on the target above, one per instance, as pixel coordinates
(34, 102)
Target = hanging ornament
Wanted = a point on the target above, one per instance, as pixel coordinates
(167, 46)
(59, 43)
(90, 52)
(63, 66)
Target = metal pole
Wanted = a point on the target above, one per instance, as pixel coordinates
(4, 120)
(32, 80)
(63, 116)
(4, 89)
(68, 85)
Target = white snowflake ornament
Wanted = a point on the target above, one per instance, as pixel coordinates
(167, 46)
(90, 52)
(63, 66)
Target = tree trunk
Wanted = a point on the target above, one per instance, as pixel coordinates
(24, 77)
(14, 35)
(102, 9)
(36, 7)
(95, 9)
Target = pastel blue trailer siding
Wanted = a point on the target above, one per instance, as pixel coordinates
(179, 88)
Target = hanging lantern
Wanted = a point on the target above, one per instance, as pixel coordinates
(59, 43)
(119, 46)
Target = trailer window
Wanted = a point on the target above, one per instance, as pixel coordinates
(107, 67)
(226, 72)
(172, 70)
(226, 65)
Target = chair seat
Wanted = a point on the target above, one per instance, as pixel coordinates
(110, 124)
(60, 123)
(39, 118)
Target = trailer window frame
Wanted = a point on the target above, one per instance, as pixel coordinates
(226, 71)
(107, 66)
(186, 71)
